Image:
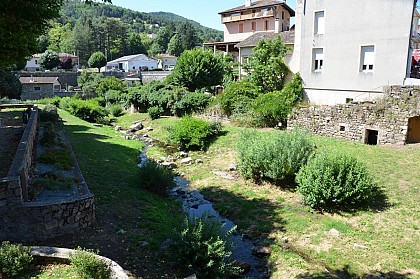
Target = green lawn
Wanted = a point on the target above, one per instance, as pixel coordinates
(389, 230)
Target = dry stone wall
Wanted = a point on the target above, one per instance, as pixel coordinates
(387, 118)
(22, 220)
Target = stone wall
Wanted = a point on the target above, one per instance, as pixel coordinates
(151, 76)
(388, 116)
(29, 92)
(22, 220)
(66, 78)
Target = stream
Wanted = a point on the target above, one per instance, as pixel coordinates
(195, 205)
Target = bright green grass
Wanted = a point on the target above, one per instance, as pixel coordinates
(390, 230)
(57, 272)
(109, 165)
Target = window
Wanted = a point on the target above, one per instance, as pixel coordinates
(367, 57)
(266, 25)
(282, 14)
(245, 60)
(319, 23)
(253, 26)
(241, 28)
(57, 87)
(134, 67)
(36, 61)
(37, 88)
(318, 59)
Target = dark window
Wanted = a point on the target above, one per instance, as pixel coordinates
(342, 128)
(371, 137)
(37, 88)
(241, 28)
(254, 26)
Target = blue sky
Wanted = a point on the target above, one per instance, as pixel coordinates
(203, 11)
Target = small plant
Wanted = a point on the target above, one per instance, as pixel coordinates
(155, 112)
(156, 178)
(274, 156)
(14, 260)
(116, 110)
(203, 245)
(48, 113)
(59, 157)
(193, 133)
(334, 179)
(49, 135)
(88, 265)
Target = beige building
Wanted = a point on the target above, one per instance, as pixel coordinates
(35, 88)
(350, 50)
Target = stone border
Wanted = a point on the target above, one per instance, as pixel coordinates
(63, 255)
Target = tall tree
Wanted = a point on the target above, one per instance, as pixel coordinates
(175, 45)
(160, 44)
(49, 60)
(267, 67)
(188, 35)
(10, 85)
(135, 44)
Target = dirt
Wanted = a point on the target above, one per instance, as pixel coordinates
(10, 134)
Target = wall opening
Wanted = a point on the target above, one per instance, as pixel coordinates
(342, 128)
(371, 137)
(413, 133)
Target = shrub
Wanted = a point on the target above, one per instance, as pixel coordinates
(270, 109)
(55, 101)
(88, 110)
(48, 113)
(203, 246)
(237, 97)
(192, 133)
(190, 103)
(110, 83)
(49, 135)
(14, 260)
(88, 265)
(276, 155)
(115, 97)
(154, 112)
(334, 180)
(116, 110)
(156, 178)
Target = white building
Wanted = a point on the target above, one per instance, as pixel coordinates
(349, 50)
(132, 63)
(33, 63)
(167, 62)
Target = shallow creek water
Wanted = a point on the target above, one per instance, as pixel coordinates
(195, 205)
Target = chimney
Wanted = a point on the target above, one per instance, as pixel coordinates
(247, 3)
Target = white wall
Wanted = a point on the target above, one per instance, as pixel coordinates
(348, 26)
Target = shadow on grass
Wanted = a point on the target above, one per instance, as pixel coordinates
(255, 217)
(344, 274)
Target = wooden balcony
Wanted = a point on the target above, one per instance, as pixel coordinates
(257, 15)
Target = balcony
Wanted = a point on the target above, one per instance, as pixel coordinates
(257, 15)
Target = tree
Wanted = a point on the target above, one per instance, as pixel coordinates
(10, 85)
(49, 60)
(66, 62)
(21, 23)
(97, 60)
(88, 82)
(267, 67)
(160, 44)
(110, 83)
(188, 35)
(175, 45)
(197, 69)
(135, 44)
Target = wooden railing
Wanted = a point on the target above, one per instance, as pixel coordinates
(257, 15)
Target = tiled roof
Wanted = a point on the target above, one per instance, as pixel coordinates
(261, 4)
(288, 38)
(38, 80)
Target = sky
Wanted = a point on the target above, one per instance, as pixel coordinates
(204, 12)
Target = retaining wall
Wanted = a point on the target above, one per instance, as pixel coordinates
(388, 116)
(22, 220)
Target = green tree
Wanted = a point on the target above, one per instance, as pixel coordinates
(135, 44)
(97, 60)
(267, 67)
(110, 83)
(188, 35)
(66, 62)
(88, 82)
(197, 69)
(175, 45)
(21, 23)
(10, 85)
(160, 44)
(49, 60)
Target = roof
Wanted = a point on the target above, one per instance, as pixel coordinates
(166, 56)
(130, 58)
(288, 38)
(38, 80)
(261, 4)
(61, 54)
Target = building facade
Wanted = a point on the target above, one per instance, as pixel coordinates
(132, 63)
(350, 50)
(36, 88)
(33, 65)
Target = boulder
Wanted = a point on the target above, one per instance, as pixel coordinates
(136, 126)
(186, 161)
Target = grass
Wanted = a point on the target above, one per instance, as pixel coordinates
(389, 227)
(109, 165)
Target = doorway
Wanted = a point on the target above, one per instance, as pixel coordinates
(413, 133)
(371, 137)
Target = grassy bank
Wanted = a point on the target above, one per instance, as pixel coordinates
(383, 240)
(131, 223)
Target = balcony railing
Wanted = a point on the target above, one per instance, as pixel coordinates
(257, 15)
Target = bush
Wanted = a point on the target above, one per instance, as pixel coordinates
(14, 260)
(115, 97)
(116, 110)
(154, 112)
(270, 109)
(49, 135)
(192, 133)
(55, 101)
(237, 97)
(88, 110)
(202, 245)
(88, 265)
(275, 155)
(156, 178)
(191, 102)
(334, 180)
(48, 113)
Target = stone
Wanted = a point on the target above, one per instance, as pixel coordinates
(97, 125)
(143, 243)
(186, 161)
(121, 232)
(145, 136)
(232, 167)
(261, 251)
(198, 161)
(333, 232)
(168, 164)
(117, 128)
(223, 174)
(136, 126)
(183, 154)
(284, 239)
(149, 128)
(360, 246)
